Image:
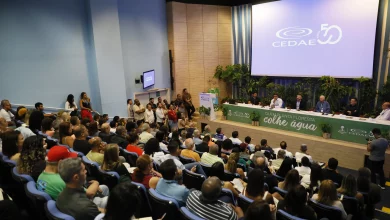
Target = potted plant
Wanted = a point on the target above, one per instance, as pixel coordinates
(201, 111)
(207, 112)
(224, 112)
(255, 117)
(325, 128)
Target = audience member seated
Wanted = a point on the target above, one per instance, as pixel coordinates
(260, 163)
(349, 188)
(6, 113)
(295, 203)
(120, 137)
(74, 121)
(36, 117)
(313, 182)
(217, 170)
(73, 200)
(191, 129)
(144, 173)
(255, 187)
(197, 139)
(160, 136)
(364, 185)
(244, 152)
(47, 126)
(152, 149)
(264, 146)
(81, 144)
(133, 144)
(113, 125)
(212, 156)
(285, 167)
(235, 139)
(327, 195)
(183, 135)
(95, 154)
(231, 165)
(105, 133)
(65, 132)
(124, 202)
(208, 199)
(12, 142)
(131, 127)
(56, 127)
(153, 129)
(168, 184)
(113, 163)
(330, 171)
(49, 180)
(175, 137)
(260, 209)
(292, 180)
(93, 129)
(32, 157)
(85, 122)
(203, 147)
(189, 151)
(279, 159)
(248, 141)
(207, 131)
(283, 146)
(305, 168)
(227, 146)
(219, 135)
(303, 153)
(145, 135)
(174, 152)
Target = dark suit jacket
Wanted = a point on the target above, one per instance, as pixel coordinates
(106, 137)
(121, 141)
(203, 147)
(302, 105)
(332, 175)
(254, 101)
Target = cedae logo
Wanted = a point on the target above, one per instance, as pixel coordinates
(297, 36)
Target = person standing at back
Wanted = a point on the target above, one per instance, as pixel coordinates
(377, 149)
(130, 111)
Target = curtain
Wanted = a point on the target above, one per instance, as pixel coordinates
(242, 33)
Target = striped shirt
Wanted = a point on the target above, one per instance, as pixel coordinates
(210, 159)
(216, 211)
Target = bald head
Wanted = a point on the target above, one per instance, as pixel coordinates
(213, 149)
(189, 143)
(386, 105)
(322, 98)
(211, 189)
(260, 162)
(105, 128)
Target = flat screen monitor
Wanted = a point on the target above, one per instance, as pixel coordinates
(148, 77)
(314, 38)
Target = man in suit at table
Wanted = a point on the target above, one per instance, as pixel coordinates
(322, 105)
(254, 100)
(352, 109)
(299, 104)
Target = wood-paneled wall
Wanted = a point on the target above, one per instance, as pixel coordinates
(200, 37)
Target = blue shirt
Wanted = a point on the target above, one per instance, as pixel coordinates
(171, 189)
(323, 105)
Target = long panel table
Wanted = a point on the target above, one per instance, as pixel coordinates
(352, 129)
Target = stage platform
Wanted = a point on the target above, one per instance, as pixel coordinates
(350, 155)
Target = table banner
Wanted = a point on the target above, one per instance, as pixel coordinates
(306, 123)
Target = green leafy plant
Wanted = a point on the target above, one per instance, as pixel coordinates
(334, 91)
(254, 116)
(325, 128)
(225, 111)
(366, 94)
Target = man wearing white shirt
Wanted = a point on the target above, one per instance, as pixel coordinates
(235, 139)
(197, 139)
(385, 114)
(283, 146)
(276, 102)
(303, 153)
(160, 114)
(5, 112)
(139, 111)
(305, 168)
(149, 114)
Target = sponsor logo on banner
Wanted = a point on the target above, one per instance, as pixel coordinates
(356, 132)
(298, 36)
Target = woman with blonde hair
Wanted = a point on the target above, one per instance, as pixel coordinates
(231, 165)
(327, 195)
(144, 173)
(112, 162)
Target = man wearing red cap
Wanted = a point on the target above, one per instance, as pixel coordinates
(51, 182)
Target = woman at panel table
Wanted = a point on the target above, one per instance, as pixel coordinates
(86, 107)
(70, 106)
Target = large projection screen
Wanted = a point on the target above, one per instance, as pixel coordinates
(313, 38)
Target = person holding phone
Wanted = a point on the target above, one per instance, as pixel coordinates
(86, 107)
